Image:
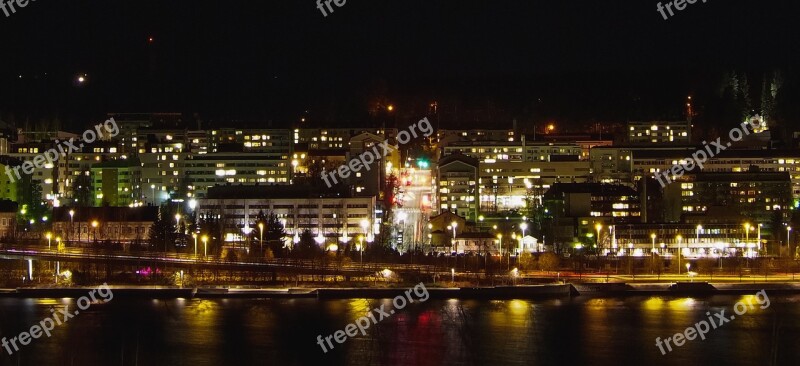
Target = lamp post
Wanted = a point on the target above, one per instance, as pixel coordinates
(94, 229)
(71, 224)
(679, 238)
(688, 273)
(523, 226)
(153, 187)
(759, 236)
(48, 236)
(598, 227)
(58, 242)
(261, 235)
(697, 237)
(205, 246)
(500, 241)
(178, 223)
(361, 250)
(788, 240)
(746, 233)
(194, 236)
(653, 251)
(454, 225)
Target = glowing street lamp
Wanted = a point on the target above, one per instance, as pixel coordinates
(679, 238)
(153, 187)
(788, 237)
(194, 236)
(72, 223)
(598, 227)
(454, 225)
(261, 235)
(699, 229)
(746, 232)
(759, 236)
(653, 251)
(48, 236)
(94, 227)
(205, 245)
(361, 249)
(500, 241)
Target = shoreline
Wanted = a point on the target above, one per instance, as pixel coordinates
(497, 292)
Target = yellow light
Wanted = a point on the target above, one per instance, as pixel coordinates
(94, 223)
(48, 236)
(390, 108)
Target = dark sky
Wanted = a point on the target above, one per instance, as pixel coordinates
(274, 60)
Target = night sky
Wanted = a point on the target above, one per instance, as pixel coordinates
(279, 60)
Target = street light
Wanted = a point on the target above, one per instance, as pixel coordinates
(58, 242)
(261, 235)
(699, 229)
(500, 240)
(514, 275)
(71, 223)
(48, 236)
(688, 273)
(598, 227)
(178, 223)
(653, 252)
(205, 246)
(679, 238)
(94, 226)
(788, 239)
(153, 187)
(746, 233)
(194, 236)
(759, 236)
(454, 225)
(361, 250)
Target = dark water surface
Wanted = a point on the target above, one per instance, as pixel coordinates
(578, 331)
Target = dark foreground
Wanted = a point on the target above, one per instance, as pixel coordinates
(580, 330)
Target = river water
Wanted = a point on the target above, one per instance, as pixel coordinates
(577, 331)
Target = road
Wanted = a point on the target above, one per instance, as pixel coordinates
(413, 216)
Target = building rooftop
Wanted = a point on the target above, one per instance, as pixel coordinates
(597, 189)
(106, 214)
(458, 157)
(274, 191)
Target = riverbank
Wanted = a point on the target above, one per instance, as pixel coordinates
(496, 292)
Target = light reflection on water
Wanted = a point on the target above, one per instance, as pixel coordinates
(578, 331)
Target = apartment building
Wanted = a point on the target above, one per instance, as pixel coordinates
(331, 216)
